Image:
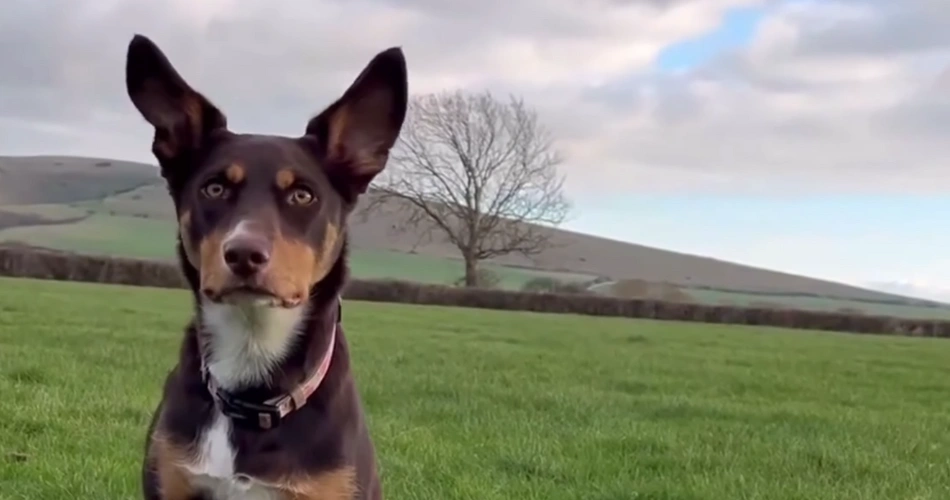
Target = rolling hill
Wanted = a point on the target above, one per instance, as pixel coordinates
(104, 206)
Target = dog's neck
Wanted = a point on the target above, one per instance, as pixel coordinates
(244, 345)
(259, 353)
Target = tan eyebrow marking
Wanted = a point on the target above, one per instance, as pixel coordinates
(285, 178)
(235, 173)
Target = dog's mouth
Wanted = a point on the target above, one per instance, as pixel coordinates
(246, 294)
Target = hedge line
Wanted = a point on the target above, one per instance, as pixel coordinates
(31, 262)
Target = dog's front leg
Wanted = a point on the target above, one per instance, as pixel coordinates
(164, 476)
(337, 484)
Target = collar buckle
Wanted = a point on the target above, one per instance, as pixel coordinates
(261, 415)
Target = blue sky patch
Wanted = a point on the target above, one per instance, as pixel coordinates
(736, 30)
(852, 238)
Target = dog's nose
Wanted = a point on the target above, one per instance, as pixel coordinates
(246, 256)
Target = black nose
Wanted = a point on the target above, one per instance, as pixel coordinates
(246, 256)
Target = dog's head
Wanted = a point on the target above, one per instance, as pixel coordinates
(262, 217)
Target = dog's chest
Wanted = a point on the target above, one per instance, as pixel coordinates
(213, 471)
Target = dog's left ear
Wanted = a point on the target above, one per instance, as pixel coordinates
(183, 118)
(358, 130)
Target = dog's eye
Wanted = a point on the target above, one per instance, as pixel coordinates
(214, 190)
(300, 197)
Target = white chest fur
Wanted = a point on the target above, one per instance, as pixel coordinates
(213, 470)
(246, 342)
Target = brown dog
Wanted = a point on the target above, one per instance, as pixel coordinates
(262, 403)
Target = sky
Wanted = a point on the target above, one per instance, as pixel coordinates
(808, 136)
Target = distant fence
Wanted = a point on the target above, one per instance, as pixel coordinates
(31, 262)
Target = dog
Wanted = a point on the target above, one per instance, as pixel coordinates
(262, 403)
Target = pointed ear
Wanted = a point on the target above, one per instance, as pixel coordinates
(357, 131)
(183, 118)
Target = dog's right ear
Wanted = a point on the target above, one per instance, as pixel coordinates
(359, 129)
(183, 118)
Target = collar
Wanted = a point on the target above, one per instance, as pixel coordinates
(267, 415)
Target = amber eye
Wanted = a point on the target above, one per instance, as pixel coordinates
(300, 197)
(214, 190)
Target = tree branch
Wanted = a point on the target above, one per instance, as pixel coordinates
(478, 170)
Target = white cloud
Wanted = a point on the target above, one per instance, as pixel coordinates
(783, 112)
(831, 94)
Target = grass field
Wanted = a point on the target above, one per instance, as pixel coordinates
(152, 238)
(474, 404)
(380, 264)
(148, 238)
(102, 234)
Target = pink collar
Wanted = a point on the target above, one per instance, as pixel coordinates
(268, 414)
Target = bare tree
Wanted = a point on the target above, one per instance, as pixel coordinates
(481, 172)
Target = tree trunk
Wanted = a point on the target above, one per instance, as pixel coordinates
(471, 271)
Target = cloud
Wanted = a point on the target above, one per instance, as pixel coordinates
(829, 94)
(880, 27)
(782, 114)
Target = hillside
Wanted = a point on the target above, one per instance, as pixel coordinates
(115, 207)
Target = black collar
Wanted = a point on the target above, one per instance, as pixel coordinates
(268, 414)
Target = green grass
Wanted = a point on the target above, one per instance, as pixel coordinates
(381, 264)
(51, 212)
(475, 404)
(102, 234)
